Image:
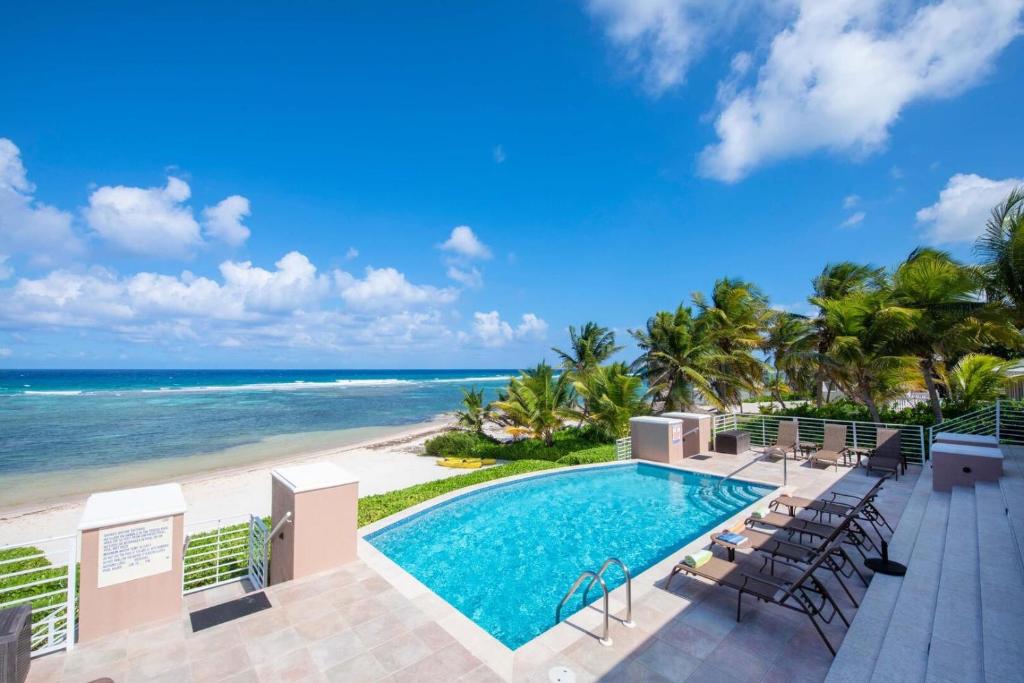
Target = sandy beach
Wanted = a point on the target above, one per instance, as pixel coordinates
(384, 460)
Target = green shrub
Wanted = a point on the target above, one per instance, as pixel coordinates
(373, 508)
(569, 440)
(589, 456)
(456, 444)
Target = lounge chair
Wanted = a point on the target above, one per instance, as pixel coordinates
(834, 447)
(839, 504)
(855, 534)
(887, 455)
(785, 441)
(804, 593)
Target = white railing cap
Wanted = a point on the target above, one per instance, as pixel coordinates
(313, 476)
(651, 419)
(132, 505)
(688, 416)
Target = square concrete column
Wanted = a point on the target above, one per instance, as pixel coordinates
(967, 439)
(132, 559)
(956, 464)
(323, 499)
(659, 439)
(699, 441)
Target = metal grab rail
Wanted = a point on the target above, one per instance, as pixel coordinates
(605, 640)
(628, 623)
(277, 527)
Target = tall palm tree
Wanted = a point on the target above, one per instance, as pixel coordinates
(475, 412)
(589, 346)
(614, 395)
(836, 281)
(1001, 249)
(732, 322)
(675, 362)
(537, 401)
(789, 342)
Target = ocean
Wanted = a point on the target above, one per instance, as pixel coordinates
(70, 431)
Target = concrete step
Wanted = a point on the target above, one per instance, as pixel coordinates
(903, 656)
(956, 650)
(855, 660)
(1002, 587)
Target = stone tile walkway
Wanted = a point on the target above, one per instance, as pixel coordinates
(353, 624)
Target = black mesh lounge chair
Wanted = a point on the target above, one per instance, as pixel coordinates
(799, 527)
(887, 455)
(803, 593)
(839, 504)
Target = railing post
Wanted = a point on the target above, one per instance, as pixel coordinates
(924, 456)
(999, 404)
(854, 435)
(72, 589)
(764, 439)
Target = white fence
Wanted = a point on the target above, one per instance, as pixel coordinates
(624, 448)
(216, 552)
(764, 430)
(1003, 420)
(44, 576)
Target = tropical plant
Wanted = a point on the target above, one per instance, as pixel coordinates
(1001, 249)
(977, 378)
(613, 395)
(789, 343)
(675, 361)
(538, 401)
(475, 412)
(589, 346)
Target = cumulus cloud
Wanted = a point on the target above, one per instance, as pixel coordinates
(490, 330)
(351, 254)
(470, 277)
(854, 220)
(223, 221)
(963, 207)
(387, 288)
(463, 242)
(152, 221)
(839, 76)
(28, 226)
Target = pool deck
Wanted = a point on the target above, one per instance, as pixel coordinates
(370, 621)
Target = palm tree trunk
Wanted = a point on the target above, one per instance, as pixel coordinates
(928, 370)
(870, 403)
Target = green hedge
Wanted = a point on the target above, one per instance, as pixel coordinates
(469, 445)
(589, 456)
(377, 507)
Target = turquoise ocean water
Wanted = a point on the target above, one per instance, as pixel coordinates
(58, 425)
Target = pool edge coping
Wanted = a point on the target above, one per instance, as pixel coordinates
(505, 661)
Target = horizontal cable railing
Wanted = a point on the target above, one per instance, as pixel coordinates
(764, 431)
(43, 574)
(624, 448)
(216, 552)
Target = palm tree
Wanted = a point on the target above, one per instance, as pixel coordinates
(836, 281)
(588, 348)
(675, 362)
(475, 413)
(977, 378)
(537, 401)
(789, 342)
(1001, 248)
(614, 395)
(732, 322)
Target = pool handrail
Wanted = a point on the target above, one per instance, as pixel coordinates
(628, 622)
(605, 640)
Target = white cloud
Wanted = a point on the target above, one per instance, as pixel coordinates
(853, 220)
(149, 221)
(839, 76)
(5, 352)
(471, 277)
(6, 271)
(224, 221)
(28, 226)
(387, 288)
(490, 330)
(351, 254)
(850, 201)
(499, 154)
(463, 242)
(294, 284)
(963, 207)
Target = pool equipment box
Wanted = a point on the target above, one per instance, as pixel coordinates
(962, 465)
(323, 499)
(659, 439)
(694, 442)
(132, 559)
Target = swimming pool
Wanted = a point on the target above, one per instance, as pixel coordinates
(505, 555)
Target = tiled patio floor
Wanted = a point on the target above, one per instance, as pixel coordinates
(353, 624)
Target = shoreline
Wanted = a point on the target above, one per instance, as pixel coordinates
(383, 461)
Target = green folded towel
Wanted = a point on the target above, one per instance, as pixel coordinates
(760, 513)
(698, 558)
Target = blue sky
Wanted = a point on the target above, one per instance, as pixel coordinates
(326, 185)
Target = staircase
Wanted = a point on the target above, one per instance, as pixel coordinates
(958, 614)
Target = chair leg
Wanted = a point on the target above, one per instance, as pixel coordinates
(739, 605)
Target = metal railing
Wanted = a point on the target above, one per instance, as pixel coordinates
(598, 578)
(43, 575)
(216, 552)
(624, 448)
(1003, 420)
(764, 430)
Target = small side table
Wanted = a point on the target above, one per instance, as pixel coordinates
(807, 448)
(859, 451)
(730, 548)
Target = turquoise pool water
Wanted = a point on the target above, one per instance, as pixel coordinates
(504, 556)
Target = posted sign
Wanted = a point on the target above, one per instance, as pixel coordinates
(134, 551)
